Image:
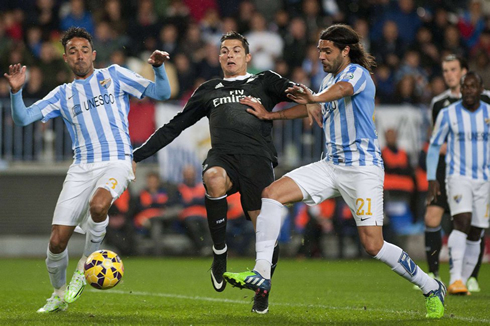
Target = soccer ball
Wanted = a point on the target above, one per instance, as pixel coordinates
(103, 269)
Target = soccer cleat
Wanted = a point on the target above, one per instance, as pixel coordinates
(53, 304)
(435, 301)
(251, 280)
(261, 303)
(76, 286)
(458, 288)
(472, 285)
(432, 275)
(217, 270)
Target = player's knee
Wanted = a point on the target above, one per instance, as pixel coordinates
(215, 185)
(269, 192)
(372, 247)
(98, 211)
(474, 234)
(432, 218)
(462, 222)
(57, 245)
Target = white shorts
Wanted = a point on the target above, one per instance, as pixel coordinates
(467, 195)
(81, 182)
(360, 186)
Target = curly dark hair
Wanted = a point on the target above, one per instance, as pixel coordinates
(343, 35)
(236, 36)
(76, 32)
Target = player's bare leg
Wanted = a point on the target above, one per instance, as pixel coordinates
(400, 262)
(56, 263)
(268, 228)
(97, 223)
(457, 242)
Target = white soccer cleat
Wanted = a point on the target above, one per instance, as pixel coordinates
(76, 286)
(53, 304)
(472, 285)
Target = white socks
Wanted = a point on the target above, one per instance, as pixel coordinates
(268, 229)
(401, 263)
(457, 246)
(95, 235)
(470, 259)
(57, 264)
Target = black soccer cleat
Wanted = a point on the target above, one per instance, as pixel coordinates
(217, 270)
(261, 303)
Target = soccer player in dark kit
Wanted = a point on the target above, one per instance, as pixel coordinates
(242, 156)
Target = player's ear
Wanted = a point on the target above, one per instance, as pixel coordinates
(345, 51)
(94, 55)
(248, 57)
(64, 57)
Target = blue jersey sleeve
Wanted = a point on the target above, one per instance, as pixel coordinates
(20, 114)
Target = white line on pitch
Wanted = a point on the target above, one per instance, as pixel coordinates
(248, 302)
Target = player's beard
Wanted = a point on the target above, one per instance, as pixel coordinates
(333, 66)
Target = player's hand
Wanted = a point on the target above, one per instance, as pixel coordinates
(16, 77)
(257, 109)
(433, 192)
(315, 113)
(134, 169)
(300, 94)
(157, 58)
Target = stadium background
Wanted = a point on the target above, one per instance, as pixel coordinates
(408, 39)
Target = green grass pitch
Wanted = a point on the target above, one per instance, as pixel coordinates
(170, 291)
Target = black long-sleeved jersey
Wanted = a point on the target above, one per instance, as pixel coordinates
(233, 130)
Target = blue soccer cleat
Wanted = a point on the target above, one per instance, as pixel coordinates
(251, 280)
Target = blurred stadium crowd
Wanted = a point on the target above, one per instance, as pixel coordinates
(407, 37)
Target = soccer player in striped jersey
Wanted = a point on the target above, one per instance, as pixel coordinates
(352, 167)
(453, 68)
(465, 124)
(95, 109)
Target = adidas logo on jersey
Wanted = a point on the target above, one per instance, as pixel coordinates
(219, 86)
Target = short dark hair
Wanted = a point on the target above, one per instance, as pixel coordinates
(474, 74)
(343, 35)
(236, 36)
(463, 63)
(76, 32)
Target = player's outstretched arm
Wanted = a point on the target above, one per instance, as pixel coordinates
(303, 95)
(20, 114)
(160, 90)
(258, 110)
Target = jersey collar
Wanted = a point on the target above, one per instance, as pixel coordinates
(243, 77)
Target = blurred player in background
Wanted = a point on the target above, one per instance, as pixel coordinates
(352, 168)
(95, 109)
(465, 125)
(453, 68)
(242, 157)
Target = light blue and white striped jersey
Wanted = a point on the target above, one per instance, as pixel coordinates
(95, 111)
(348, 123)
(467, 139)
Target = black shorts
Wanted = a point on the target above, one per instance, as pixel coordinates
(249, 174)
(441, 177)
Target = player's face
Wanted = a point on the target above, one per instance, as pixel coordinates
(233, 59)
(332, 58)
(452, 73)
(471, 90)
(80, 57)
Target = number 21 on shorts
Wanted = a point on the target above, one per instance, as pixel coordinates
(363, 206)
